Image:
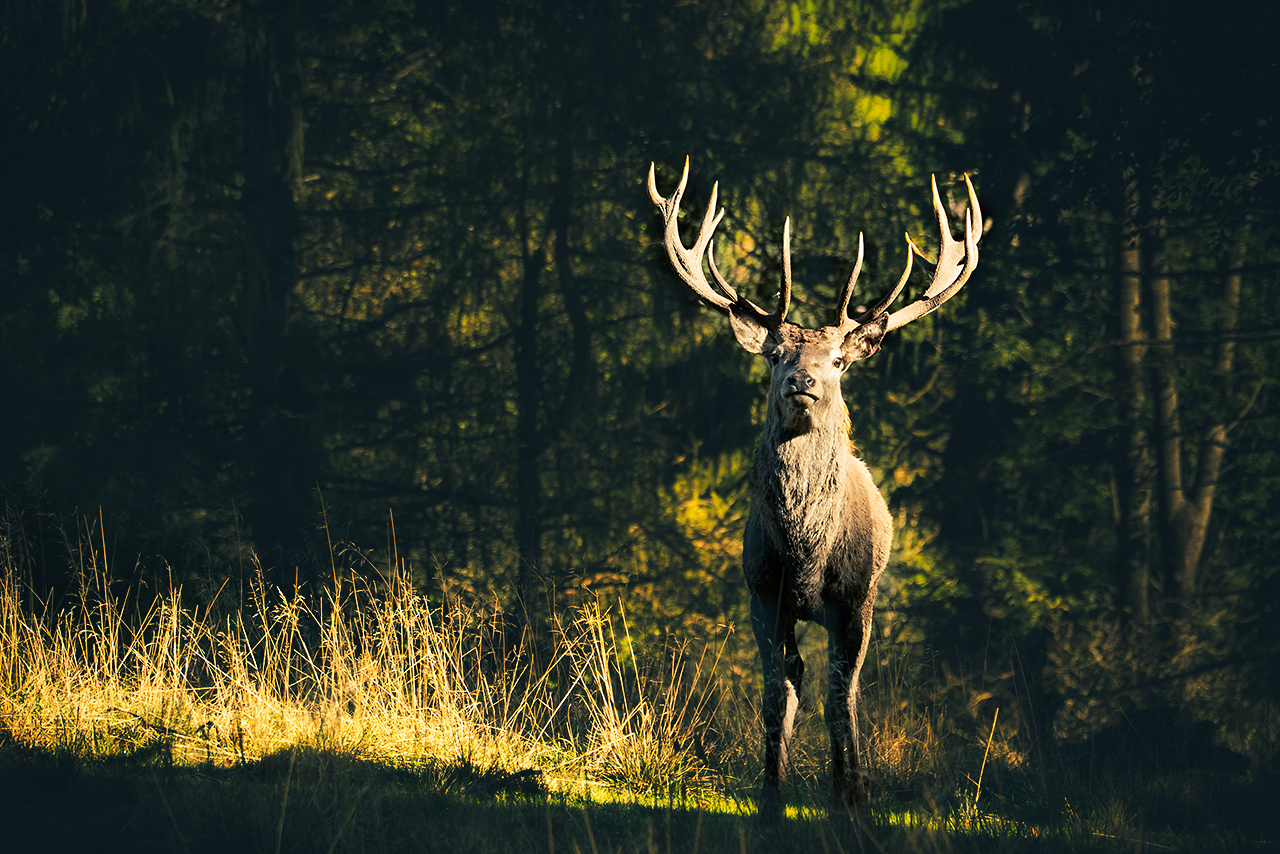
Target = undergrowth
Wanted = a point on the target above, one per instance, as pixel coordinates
(311, 721)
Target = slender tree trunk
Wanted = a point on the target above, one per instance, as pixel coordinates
(1132, 561)
(1168, 421)
(580, 382)
(534, 433)
(1187, 508)
(272, 143)
(529, 441)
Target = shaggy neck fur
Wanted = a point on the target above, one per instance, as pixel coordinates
(802, 477)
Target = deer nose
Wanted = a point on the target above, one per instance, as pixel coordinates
(801, 380)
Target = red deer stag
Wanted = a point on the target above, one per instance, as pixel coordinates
(818, 533)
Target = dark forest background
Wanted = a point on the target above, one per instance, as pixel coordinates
(382, 279)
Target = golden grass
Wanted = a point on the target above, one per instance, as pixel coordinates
(470, 706)
(381, 675)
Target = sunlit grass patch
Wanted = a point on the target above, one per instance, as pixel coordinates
(386, 678)
(379, 674)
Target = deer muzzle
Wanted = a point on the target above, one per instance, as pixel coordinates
(799, 389)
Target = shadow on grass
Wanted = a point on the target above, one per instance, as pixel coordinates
(314, 801)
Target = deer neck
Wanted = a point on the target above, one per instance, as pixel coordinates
(801, 474)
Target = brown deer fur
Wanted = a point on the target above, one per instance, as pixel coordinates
(817, 540)
(819, 532)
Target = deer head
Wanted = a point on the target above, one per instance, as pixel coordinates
(807, 363)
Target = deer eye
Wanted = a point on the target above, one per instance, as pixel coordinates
(838, 363)
(773, 357)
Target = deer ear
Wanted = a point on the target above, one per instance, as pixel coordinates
(750, 334)
(864, 340)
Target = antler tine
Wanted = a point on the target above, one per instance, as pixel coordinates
(947, 279)
(688, 262)
(724, 285)
(674, 200)
(784, 294)
(881, 305)
(842, 305)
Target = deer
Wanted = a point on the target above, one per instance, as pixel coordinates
(818, 531)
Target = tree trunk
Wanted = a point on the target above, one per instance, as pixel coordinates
(580, 381)
(1132, 562)
(272, 142)
(529, 441)
(1168, 421)
(1187, 507)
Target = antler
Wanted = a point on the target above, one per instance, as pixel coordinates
(688, 261)
(948, 274)
(947, 279)
(846, 323)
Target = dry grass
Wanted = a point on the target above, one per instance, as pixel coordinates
(381, 675)
(328, 718)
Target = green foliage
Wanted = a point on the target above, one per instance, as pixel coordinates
(272, 272)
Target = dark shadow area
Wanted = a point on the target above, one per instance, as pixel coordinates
(312, 800)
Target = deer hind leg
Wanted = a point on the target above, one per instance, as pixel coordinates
(780, 660)
(847, 635)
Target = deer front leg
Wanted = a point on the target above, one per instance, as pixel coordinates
(847, 636)
(780, 660)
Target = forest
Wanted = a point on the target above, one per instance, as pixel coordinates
(303, 297)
